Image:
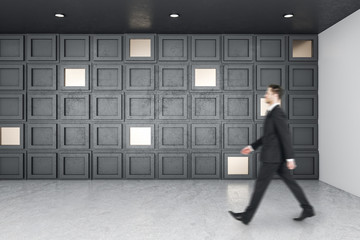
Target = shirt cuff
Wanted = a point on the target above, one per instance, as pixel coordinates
(290, 160)
(251, 148)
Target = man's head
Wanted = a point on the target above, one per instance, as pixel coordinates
(273, 94)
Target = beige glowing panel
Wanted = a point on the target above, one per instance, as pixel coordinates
(302, 48)
(140, 136)
(238, 165)
(140, 47)
(10, 136)
(75, 77)
(263, 107)
(205, 77)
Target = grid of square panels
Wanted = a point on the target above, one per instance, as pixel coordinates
(172, 98)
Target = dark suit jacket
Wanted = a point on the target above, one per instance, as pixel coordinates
(276, 140)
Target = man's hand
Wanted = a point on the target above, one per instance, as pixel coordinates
(291, 165)
(246, 150)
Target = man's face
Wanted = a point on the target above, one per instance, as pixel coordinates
(269, 96)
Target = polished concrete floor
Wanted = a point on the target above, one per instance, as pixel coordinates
(171, 210)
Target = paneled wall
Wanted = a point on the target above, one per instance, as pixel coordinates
(147, 106)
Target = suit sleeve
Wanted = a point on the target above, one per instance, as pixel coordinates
(283, 134)
(256, 144)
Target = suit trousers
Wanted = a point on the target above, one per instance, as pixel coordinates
(266, 174)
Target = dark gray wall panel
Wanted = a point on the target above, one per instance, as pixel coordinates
(270, 74)
(303, 77)
(173, 77)
(42, 136)
(237, 135)
(74, 166)
(107, 48)
(74, 47)
(107, 165)
(140, 77)
(238, 106)
(42, 77)
(107, 77)
(11, 165)
(107, 136)
(205, 136)
(41, 165)
(173, 107)
(303, 107)
(41, 47)
(140, 106)
(251, 166)
(206, 106)
(107, 106)
(11, 77)
(173, 48)
(238, 77)
(42, 106)
(205, 48)
(74, 106)
(304, 136)
(140, 166)
(11, 106)
(173, 165)
(270, 48)
(11, 48)
(238, 48)
(74, 136)
(307, 165)
(173, 136)
(205, 165)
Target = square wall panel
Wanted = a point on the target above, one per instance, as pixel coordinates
(238, 166)
(11, 106)
(303, 77)
(173, 165)
(270, 48)
(307, 165)
(42, 136)
(41, 77)
(206, 77)
(140, 136)
(41, 165)
(205, 136)
(107, 47)
(41, 106)
(173, 77)
(11, 77)
(107, 165)
(107, 106)
(140, 47)
(107, 77)
(205, 106)
(173, 136)
(107, 136)
(41, 47)
(238, 106)
(172, 48)
(205, 165)
(11, 48)
(11, 165)
(173, 107)
(74, 47)
(74, 106)
(270, 74)
(11, 136)
(74, 77)
(140, 77)
(262, 106)
(140, 106)
(74, 136)
(238, 135)
(303, 107)
(205, 48)
(304, 136)
(303, 48)
(74, 166)
(238, 77)
(140, 166)
(238, 48)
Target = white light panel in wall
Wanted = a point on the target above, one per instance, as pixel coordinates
(140, 136)
(140, 47)
(238, 165)
(75, 77)
(205, 77)
(302, 49)
(9, 136)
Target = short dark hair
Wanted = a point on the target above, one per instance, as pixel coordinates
(276, 89)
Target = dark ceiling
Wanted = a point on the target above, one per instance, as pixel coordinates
(152, 16)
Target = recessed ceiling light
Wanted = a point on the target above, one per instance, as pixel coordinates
(59, 15)
(288, 15)
(174, 15)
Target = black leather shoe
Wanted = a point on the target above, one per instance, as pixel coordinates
(305, 214)
(240, 217)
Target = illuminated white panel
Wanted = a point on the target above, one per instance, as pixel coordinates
(302, 48)
(140, 47)
(75, 78)
(238, 165)
(140, 136)
(10, 136)
(205, 77)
